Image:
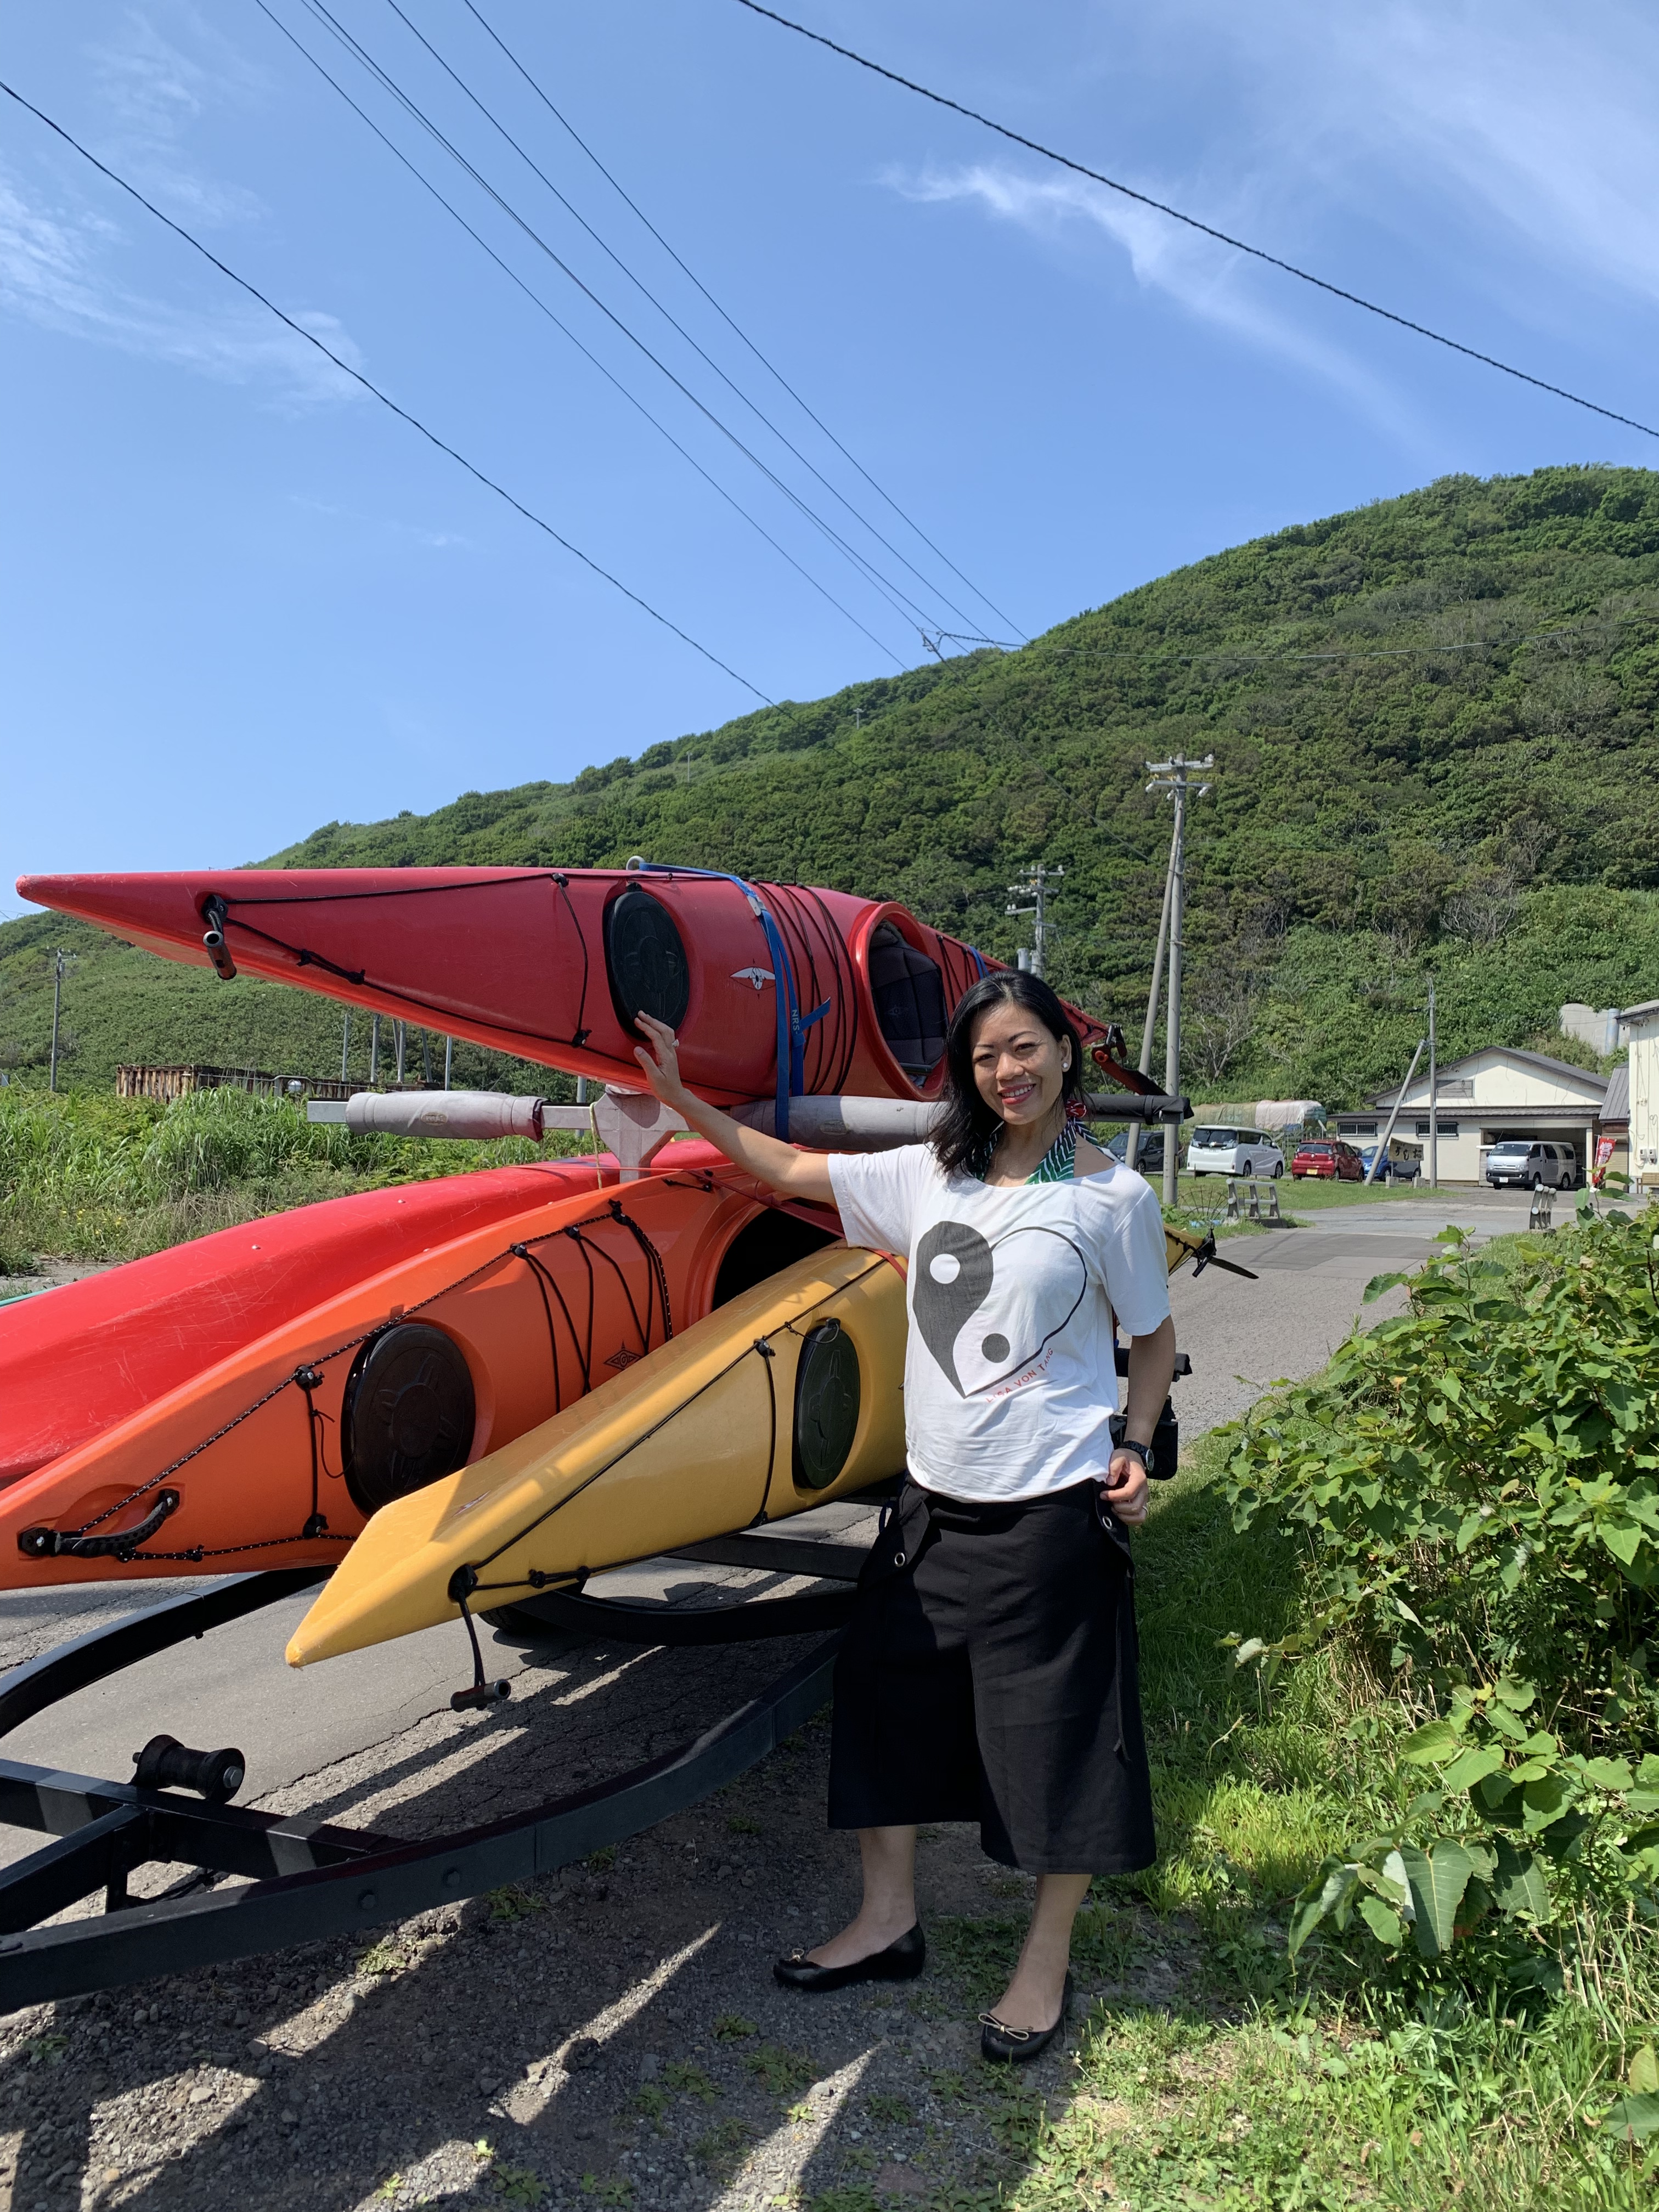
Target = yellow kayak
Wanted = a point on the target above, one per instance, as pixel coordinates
(790, 1394)
(705, 1434)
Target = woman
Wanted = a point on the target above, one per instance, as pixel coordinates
(989, 1671)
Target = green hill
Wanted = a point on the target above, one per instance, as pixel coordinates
(1432, 721)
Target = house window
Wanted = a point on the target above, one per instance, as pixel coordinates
(1447, 1129)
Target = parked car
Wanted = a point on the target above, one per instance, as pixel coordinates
(1329, 1158)
(1150, 1158)
(1526, 1162)
(1403, 1164)
(1218, 1149)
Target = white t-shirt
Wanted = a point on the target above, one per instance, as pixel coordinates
(1009, 1377)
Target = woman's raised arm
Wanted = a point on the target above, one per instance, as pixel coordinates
(798, 1174)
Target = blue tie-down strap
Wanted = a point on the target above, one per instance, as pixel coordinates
(792, 1025)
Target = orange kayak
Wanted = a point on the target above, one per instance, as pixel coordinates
(275, 1450)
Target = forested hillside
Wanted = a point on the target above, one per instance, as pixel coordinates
(1432, 721)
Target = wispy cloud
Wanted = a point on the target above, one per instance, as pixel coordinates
(153, 93)
(1207, 280)
(1536, 124)
(437, 541)
(55, 269)
(63, 251)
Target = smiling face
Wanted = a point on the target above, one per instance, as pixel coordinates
(1019, 1064)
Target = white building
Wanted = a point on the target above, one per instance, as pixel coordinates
(1501, 1093)
(1641, 1024)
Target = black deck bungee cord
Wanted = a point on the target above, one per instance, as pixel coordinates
(65, 1541)
(359, 977)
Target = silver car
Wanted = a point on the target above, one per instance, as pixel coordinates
(1529, 1162)
(1215, 1150)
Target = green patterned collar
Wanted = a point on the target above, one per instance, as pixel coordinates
(1058, 1164)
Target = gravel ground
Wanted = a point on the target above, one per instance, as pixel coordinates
(608, 2036)
(612, 2035)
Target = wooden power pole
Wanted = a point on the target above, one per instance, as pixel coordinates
(1173, 776)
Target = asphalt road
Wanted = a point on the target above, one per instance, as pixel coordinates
(233, 1688)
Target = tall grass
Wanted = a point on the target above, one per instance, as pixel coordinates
(88, 1177)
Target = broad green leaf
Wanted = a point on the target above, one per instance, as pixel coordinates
(1610, 1774)
(1623, 1540)
(1437, 1882)
(1332, 1887)
(1429, 1745)
(1378, 1284)
(1641, 2074)
(1518, 1885)
(1545, 1800)
(1394, 1871)
(1383, 1920)
(1517, 1696)
(1471, 1767)
(1633, 2120)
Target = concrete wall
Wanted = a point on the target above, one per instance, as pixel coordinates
(1644, 1099)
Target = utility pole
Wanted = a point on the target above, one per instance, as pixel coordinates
(400, 1032)
(1434, 1118)
(345, 1048)
(1172, 776)
(373, 1050)
(56, 1007)
(1132, 1146)
(1036, 888)
(449, 1057)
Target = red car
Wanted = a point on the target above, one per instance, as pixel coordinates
(1330, 1158)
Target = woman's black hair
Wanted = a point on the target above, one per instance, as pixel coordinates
(967, 1127)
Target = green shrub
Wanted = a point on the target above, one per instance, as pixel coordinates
(210, 1140)
(1475, 1485)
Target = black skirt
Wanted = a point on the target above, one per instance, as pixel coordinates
(989, 1675)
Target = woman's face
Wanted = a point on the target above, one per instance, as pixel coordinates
(1019, 1064)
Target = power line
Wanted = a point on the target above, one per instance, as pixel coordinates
(917, 618)
(375, 392)
(769, 366)
(1223, 238)
(640, 286)
(536, 300)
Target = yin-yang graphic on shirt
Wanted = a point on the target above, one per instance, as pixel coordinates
(986, 1309)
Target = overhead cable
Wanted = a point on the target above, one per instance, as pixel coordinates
(1192, 223)
(893, 593)
(738, 331)
(536, 300)
(639, 285)
(375, 392)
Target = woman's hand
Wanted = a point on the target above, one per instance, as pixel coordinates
(1124, 1489)
(659, 1057)
(798, 1174)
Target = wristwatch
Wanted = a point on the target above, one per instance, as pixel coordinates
(1142, 1452)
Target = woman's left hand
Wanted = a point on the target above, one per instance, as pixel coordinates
(1124, 1489)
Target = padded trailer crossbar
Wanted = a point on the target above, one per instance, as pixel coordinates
(301, 1879)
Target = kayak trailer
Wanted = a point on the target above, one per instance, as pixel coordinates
(292, 1880)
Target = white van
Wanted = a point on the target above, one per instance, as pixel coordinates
(1216, 1150)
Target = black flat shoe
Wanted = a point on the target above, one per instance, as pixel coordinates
(1015, 2046)
(900, 1961)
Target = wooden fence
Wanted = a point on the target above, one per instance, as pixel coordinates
(167, 1083)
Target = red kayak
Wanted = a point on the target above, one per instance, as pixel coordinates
(774, 989)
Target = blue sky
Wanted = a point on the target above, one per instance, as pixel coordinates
(241, 600)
